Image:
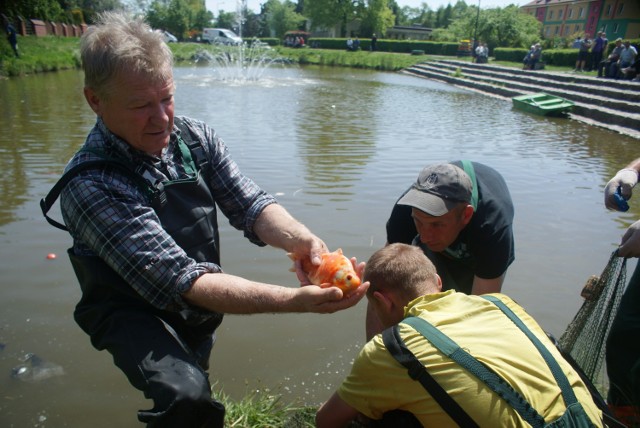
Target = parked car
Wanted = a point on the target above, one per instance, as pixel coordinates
(220, 36)
(168, 37)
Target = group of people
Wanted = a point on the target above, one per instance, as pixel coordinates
(621, 63)
(353, 44)
(139, 200)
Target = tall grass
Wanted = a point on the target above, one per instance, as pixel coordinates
(39, 54)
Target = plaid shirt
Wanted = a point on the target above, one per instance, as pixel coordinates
(108, 216)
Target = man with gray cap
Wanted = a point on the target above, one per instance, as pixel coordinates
(461, 215)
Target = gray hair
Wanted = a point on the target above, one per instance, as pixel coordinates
(119, 44)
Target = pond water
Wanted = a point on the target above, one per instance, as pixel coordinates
(337, 147)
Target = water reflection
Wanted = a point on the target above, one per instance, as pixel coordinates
(337, 146)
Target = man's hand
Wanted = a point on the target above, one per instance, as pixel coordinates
(624, 180)
(328, 300)
(630, 244)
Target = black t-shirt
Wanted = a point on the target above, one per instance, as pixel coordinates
(488, 238)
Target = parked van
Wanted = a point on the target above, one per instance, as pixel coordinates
(220, 36)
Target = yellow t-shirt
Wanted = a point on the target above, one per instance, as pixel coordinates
(378, 383)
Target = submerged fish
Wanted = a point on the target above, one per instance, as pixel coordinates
(335, 269)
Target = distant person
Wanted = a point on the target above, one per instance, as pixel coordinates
(140, 201)
(349, 44)
(606, 67)
(534, 57)
(598, 49)
(374, 42)
(482, 53)
(13, 39)
(491, 331)
(356, 44)
(623, 342)
(583, 54)
(627, 57)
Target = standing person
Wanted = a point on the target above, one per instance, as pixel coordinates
(482, 53)
(598, 49)
(583, 53)
(405, 292)
(374, 42)
(13, 39)
(139, 200)
(623, 346)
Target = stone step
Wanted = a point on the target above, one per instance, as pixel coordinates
(607, 103)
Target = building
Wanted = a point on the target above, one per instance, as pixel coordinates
(413, 32)
(565, 18)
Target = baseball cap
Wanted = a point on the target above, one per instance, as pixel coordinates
(438, 189)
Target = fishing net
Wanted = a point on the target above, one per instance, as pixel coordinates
(585, 337)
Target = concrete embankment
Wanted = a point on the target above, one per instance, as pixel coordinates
(608, 103)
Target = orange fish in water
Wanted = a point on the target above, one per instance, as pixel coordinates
(335, 269)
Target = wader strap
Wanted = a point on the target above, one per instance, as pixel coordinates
(451, 349)
(567, 392)
(47, 202)
(468, 168)
(417, 371)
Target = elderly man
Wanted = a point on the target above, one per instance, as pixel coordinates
(139, 200)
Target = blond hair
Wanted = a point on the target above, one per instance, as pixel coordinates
(118, 44)
(402, 268)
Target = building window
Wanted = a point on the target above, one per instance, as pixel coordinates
(566, 31)
(546, 31)
(581, 13)
(550, 15)
(616, 28)
(608, 12)
(557, 30)
(620, 8)
(577, 28)
(570, 14)
(560, 14)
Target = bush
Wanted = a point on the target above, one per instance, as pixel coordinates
(389, 45)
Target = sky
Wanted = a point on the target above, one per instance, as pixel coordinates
(254, 5)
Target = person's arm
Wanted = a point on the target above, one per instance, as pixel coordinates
(232, 294)
(335, 413)
(484, 286)
(625, 180)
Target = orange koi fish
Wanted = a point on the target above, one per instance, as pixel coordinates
(335, 269)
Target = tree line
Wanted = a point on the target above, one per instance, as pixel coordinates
(499, 27)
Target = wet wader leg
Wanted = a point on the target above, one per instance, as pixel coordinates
(623, 347)
(159, 365)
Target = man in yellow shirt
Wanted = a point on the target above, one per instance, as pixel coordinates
(404, 284)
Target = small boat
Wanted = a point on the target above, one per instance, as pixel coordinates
(543, 104)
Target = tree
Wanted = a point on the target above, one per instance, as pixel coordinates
(282, 17)
(329, 13)
(376, 18)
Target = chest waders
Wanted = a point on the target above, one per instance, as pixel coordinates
(573, 417)
(187, 211)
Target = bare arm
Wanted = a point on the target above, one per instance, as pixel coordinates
(484, 286)
(335, 413)
(235, 295)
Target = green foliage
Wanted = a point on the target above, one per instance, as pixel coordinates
(377, 17)
(382, 61)
(262, 408)
(282, 17)
(390, 45)
(329, 13)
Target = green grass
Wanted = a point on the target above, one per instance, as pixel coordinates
(39, 54)
(263, 408)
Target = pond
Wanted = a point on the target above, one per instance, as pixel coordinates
(337, 147)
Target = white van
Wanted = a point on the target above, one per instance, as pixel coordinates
(220, 36)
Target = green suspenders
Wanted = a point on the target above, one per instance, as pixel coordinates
(451, 349)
